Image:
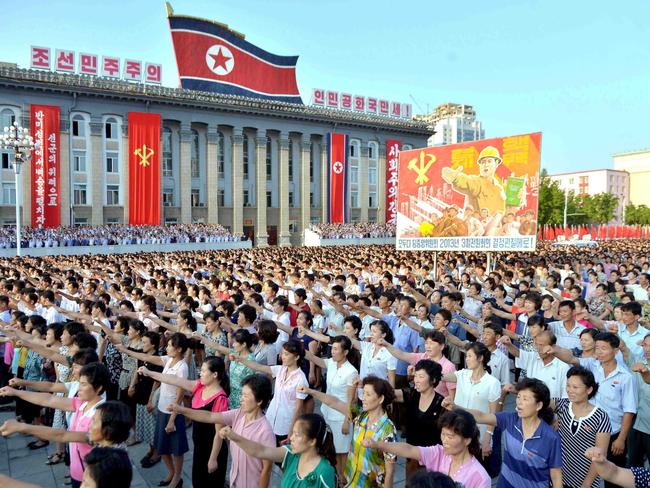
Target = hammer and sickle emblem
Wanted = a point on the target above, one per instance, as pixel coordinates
(423, 168)
(144, 153)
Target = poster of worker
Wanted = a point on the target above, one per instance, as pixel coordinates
(479, 196)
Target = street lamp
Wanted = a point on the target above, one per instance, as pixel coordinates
(20, 144)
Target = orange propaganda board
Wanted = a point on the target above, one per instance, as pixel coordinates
(474, 196)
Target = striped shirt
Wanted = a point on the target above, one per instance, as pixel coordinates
(579, 434)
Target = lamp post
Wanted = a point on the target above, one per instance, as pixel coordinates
(20, 144)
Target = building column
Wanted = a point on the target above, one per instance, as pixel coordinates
(381, 183)
(65, 182)
(124, 170)
(213, 175)
(261, 234)
(185, 175)
(305, 208)
(284, 237)
(324, 178)
(237, 181)
(97, 172)
(363, 182)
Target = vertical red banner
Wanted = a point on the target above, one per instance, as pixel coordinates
(392, 165)
(45, 122)
(144, 169)
(338, 178)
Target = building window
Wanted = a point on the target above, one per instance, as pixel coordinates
(221, 198)
(7, 117)
(79, 195)
(372, 200)
(269, 159)
(311, 198)
(112, 194)
(112, 163)
(167, 168)
(311, 162)
(168, 197)
(290, 165)
(113, 221)
(354, 175)
(269, 199)
(5, 161)
(220, 153)
(291, 203)
(171, 220)
(110, 129)
(371, 152)
(354, 199)
(247, 202)
(78, 126)
(354, 151)
(194, 154)
(372, 175)
(79, 161)
(196, 197)
(245, 156)
(9, 193)
(80, 221)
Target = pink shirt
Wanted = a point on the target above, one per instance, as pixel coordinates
(283, 405)
(245, 470)
(9, 353)
(220, 399)
(471, 474)
(447, 368)
(80, 423)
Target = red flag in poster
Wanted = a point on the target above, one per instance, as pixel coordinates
(392, 165)
(144, 168)
(337, 181)
(45, 187)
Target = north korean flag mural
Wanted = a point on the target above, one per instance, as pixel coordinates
(337, 181)
(211, 57)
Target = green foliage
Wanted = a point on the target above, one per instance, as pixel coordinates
(637, 215)
(581, 210)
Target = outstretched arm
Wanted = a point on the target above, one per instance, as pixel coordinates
(147, 358)
(398, 353)
(42, 432)
(320, 362)
(401, 449)
(254, 365)
(329, 400)
(43, 399)
(608, 470)
(170, 379)
(252, 448)
(198, 415)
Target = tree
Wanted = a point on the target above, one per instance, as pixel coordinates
(637, 215)
(599, 208)
(551, 201)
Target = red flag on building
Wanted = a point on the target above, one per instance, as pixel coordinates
(45, 123)
(337, 181)
(144, 169)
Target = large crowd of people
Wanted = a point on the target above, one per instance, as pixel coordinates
(354, 230)
(328, 364)
(123, 235)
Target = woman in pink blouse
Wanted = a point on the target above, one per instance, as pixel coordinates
(210, 393)
(287, 404)
(456, 457)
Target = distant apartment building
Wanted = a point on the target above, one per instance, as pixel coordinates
(596, 181)
(453, 123)
(637, 164)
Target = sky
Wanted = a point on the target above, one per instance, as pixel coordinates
(578, 71)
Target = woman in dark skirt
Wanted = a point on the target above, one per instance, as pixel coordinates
(209, 393)
(170, 439)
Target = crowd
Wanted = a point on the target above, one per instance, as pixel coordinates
(354, 230)
(328, 364)
(116, 235)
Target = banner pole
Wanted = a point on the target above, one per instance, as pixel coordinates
(489, 261)
(435, 265)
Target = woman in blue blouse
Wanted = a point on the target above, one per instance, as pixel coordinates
(532, 450)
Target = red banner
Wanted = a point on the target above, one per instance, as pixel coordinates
(45, 123)
(144, 168)
(392, 164)
(337, 181)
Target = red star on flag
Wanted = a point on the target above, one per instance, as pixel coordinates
(220, 60)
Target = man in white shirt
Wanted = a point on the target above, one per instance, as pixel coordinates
(48, 311)
(541, 365)
(567, 330)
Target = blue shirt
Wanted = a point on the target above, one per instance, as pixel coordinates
(527, 463)
(406, 339)
(616, 392)
(455, 329)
